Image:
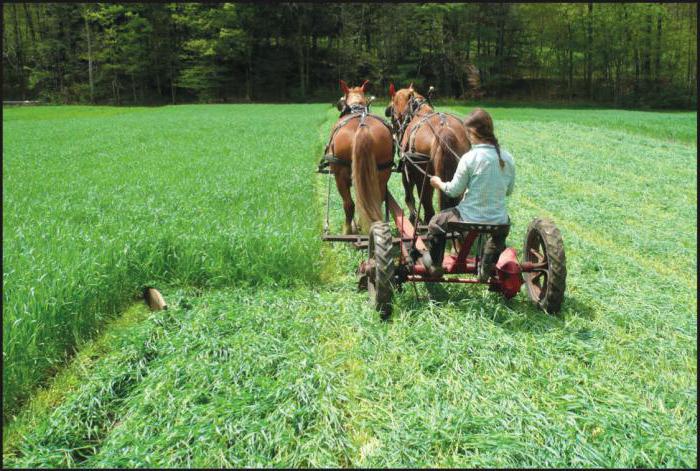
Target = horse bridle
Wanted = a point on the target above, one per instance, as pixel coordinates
(354, 108)
(413, 106)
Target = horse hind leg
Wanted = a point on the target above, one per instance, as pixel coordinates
(426, 200)
(384, 188)
(410, 200)
(343, 182)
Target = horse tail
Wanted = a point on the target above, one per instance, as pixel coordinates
(365, 177)
(444, 162)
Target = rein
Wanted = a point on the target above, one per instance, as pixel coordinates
(414, 107)
(417, 160)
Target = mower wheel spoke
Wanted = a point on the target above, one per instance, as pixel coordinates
(540, 257)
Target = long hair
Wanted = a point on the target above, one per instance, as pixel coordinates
(480, 124)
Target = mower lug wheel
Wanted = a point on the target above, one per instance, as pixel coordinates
(544, 245)
(380, 278)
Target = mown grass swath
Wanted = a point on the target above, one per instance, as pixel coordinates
(98, 201)
(307, 375)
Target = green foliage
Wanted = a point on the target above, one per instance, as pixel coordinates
(626, 55)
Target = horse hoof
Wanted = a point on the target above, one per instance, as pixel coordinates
(347, 229)
(353, 228)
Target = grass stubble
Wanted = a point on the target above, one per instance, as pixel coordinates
(306, 375)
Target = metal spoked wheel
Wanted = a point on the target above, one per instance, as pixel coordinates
(381, 274)
(544, 247)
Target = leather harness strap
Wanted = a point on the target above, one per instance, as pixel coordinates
(330, 158)
(411, 144)
(418, 159)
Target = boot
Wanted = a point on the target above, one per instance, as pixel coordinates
(488, 263)
(486, 268)
(432, 260)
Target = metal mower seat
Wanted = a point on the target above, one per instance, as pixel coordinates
(475, 226)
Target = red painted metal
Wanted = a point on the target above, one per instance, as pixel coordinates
(366, 266)
(450, 265)
(405, 227)
(426, 279)
(509, 272)
(453, 265)
(508, 278)
(456, 264)
(532, 266)
(466, 247)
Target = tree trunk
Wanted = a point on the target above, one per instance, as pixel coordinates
(300, 52)
(59, 61)
(311, 59)
(589, 52)
(18, 54)
(657, 65)
(172, 46)
(30, 23)
(636, 70)
(249, 73)
(646, 58)
(89, 45)
(692, 18)
(571, 61)
(469, 46)
(172, 84)
(478, 41)
(307, 62)
(501, 31)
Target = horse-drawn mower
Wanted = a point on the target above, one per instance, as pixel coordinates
(393, 261)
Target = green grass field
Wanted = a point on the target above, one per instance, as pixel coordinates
(270, 357)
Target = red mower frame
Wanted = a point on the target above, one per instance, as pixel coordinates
(542, 269)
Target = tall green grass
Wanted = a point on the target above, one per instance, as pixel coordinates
(307, 375)
(98, 201)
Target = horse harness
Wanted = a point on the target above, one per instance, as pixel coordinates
(409, 154)
(352, 112)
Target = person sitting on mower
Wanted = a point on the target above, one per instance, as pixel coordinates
(486, 175)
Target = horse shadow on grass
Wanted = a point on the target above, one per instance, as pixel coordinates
(516, 315)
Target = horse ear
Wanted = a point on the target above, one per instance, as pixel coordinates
(344, 86)
(392, 90)
(364, 85)
(411, 86)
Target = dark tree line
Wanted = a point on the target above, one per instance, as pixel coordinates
(622, 54)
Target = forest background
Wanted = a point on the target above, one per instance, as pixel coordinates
(641, 55)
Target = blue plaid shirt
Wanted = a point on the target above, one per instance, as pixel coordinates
(486, 185)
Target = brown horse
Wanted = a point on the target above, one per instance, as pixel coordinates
(433, 141)
(360, 152)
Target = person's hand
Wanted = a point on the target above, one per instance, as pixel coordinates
(435, 182)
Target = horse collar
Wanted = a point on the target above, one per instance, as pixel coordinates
(356, 108)
(353, 109)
